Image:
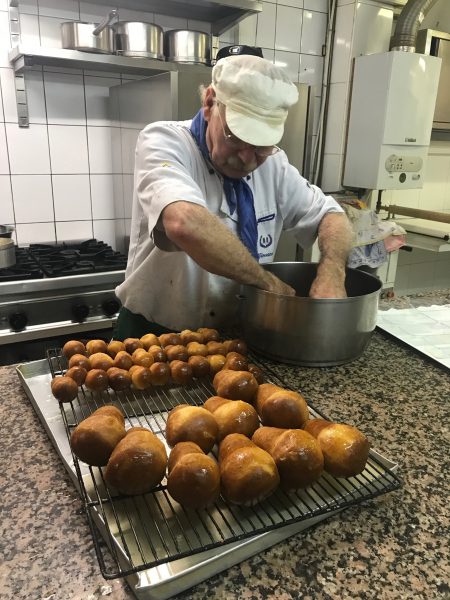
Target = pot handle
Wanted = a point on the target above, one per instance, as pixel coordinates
(106, 21)
(240, 297)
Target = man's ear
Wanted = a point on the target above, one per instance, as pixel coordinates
(208, 103)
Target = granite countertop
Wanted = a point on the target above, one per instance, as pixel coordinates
(391, 547)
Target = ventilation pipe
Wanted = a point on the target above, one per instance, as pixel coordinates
(412, 15)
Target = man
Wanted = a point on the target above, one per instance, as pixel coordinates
(211, 198)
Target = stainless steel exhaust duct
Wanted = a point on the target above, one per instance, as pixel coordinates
(404, 38)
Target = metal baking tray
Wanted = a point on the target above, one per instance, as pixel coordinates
(157, 545)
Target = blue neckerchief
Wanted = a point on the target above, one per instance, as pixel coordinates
(237, 192)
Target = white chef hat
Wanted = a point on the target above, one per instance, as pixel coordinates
(257, 95)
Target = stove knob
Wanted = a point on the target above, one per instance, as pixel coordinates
(80, 312)
(110, 307)
(18, 321)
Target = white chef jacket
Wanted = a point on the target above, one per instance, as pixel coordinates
(163, 283)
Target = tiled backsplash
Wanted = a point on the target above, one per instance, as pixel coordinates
(56, 177)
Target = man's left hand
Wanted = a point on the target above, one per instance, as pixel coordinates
(329, 283)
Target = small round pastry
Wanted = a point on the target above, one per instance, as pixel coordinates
(73, 347)
(209, 335)
(345, 449)
(196, 349)
(187, 423)
(278, 407)
(169, 339)
(141, 377)
(194, 480)
(248, 475)
(80, 360)
(112, 411)
(78, 374)
(118, 379)
(132, 369)
(176, 352)
(188, 336)
(257, 373)
(216, 362)
(296, 453)
(149, 339)
(123, 360)
(138, 462)
(199, 365)
(114, 347)
(96, 380)
(132, 344)
(236, 346)
(142, 358)
(181, 372)
(236, 362)
(232, 416)
(235, 385)
(158, 353)
(95, 438)
(214, 347)
(160, 373)
(100, 360)
(94, 346)
(231, 443)
(64, 388)
(180, 450)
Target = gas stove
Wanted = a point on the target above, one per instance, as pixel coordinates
(55, 292)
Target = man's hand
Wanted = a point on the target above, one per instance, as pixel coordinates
(329, 282)
(276, 286)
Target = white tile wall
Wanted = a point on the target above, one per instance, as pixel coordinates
(68, 147)
(72, 197)
(288, 31)
(36, 206)
(6, 204)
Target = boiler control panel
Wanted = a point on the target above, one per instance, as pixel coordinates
(406, 164)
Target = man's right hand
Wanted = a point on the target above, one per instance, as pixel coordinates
(276, 286)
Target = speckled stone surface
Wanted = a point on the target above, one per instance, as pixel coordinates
(392, 547)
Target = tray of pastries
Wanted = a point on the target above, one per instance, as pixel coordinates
(182, 443)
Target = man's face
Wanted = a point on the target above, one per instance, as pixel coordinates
(231, 157)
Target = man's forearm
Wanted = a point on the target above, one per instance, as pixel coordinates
(214, 247)
(335, 239)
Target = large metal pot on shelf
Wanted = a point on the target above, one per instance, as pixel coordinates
(306, 331)
(139, 39)
(185, 46)
(89, 37)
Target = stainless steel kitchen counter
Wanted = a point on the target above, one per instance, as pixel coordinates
(391, 547)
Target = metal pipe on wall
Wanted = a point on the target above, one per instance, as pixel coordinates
(404, 38)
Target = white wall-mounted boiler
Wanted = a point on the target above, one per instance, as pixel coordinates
(390, 121)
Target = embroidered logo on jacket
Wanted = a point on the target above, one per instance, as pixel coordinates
(265, 241)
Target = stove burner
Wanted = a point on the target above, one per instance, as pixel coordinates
(60, 260)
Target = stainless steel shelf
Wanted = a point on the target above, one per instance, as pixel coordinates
(222, 14)
(23, 57)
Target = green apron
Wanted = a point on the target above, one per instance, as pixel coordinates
(131, 325)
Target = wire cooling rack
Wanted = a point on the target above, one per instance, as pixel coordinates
(151, 529)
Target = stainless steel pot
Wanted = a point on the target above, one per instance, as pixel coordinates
(134, 38)
(185, 46)
(7, 253)
(89, 37)
(306, 331)
(6, 231)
